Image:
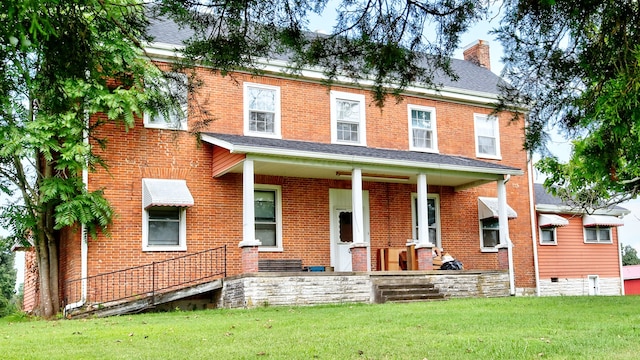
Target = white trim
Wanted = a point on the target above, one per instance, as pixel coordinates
(436, 198)
(362, 122)
(601, 220)
(182, 237)
(278, 197)
(244, 149)
(496, 135)
(483, 248)
(168, 125)
(277, 127)
(551, 220)
(434, 128)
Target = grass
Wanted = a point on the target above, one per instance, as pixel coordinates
(504, 328)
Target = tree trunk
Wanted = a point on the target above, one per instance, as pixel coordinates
(47, 309)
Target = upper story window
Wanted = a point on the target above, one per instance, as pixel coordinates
(261, 110)
(422, 128)
(487, 136)
(348, 125)
(598, 235)
(432, 221)
(174, 85)
(268, 216)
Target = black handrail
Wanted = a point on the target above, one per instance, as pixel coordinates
(150, 279)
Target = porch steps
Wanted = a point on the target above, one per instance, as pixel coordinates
(405, 289)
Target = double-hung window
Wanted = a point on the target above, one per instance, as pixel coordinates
(432, 220)
(598, 235)
(262, 110)
(422, 128)
(490, 231)
(487, 136)
(268, 217)
(174, 86)
(348, 125)
(164, 214)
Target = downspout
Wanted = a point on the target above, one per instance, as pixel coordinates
(84, 246)
(620, 263)
(512, 276)
(534, 229)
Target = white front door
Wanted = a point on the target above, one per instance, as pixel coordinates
(342, 228)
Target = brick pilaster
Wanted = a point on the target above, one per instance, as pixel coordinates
(250, 256)
(359, 257)
(503, 258)
(425, 257)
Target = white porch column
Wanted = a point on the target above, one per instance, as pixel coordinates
(356, 206)
(248, 212)
(423, 211)
(505, 240)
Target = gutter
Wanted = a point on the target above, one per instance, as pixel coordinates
(84, 245)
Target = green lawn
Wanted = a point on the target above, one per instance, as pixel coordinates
(505, 328)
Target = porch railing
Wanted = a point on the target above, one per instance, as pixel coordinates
(150, 279)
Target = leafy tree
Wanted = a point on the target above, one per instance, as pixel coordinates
(629, 255)
(62, 63)
(576, 64)
(393, 43)
(7, 277)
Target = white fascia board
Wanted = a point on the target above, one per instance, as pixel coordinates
(256, 152)
(564, 209)
(164, 51)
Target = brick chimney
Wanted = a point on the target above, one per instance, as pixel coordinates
(478, 53)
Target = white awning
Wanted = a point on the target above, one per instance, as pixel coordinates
(164, 192)
(551, 220)
(601, 220)
(488, 208)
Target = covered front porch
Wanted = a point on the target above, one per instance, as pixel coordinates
(360, 200)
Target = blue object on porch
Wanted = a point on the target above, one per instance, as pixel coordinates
(316, 268)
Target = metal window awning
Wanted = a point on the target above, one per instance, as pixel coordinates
(551, 220)
(601, 220)
(165, 192)
(488, 208)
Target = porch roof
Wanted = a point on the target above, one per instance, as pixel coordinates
(322, 160)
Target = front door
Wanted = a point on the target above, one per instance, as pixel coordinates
(342, 228)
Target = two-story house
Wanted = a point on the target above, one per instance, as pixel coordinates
(289, 168)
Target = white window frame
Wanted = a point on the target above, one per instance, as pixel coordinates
(496, 135)
(414, 212)
(182, 243)
(597, 229)
(481, 227)
(362, 123)
(278, 197)
(553, 232)
(434, 128)
(158, 121)
(277, 132)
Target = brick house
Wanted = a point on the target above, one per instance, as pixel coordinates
(577, 253)
(292, 169)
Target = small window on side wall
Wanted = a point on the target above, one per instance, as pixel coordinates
(164, 214)
(548, 236)
(175, 86)
(598, 235)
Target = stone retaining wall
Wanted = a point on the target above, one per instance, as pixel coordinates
(266, 289)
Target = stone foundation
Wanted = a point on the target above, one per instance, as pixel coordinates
(578, 287)
(278, 289)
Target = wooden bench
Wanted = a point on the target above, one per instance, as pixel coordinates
(279, 265)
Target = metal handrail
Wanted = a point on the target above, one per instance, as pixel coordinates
(150, 279)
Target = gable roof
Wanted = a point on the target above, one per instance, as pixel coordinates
(471, 77)
(354, 154)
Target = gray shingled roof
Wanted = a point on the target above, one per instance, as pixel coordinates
(359, 151)
(544, 198)
(471, 76)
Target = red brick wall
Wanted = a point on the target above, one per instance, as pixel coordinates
(31, 285)
(216, 218)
